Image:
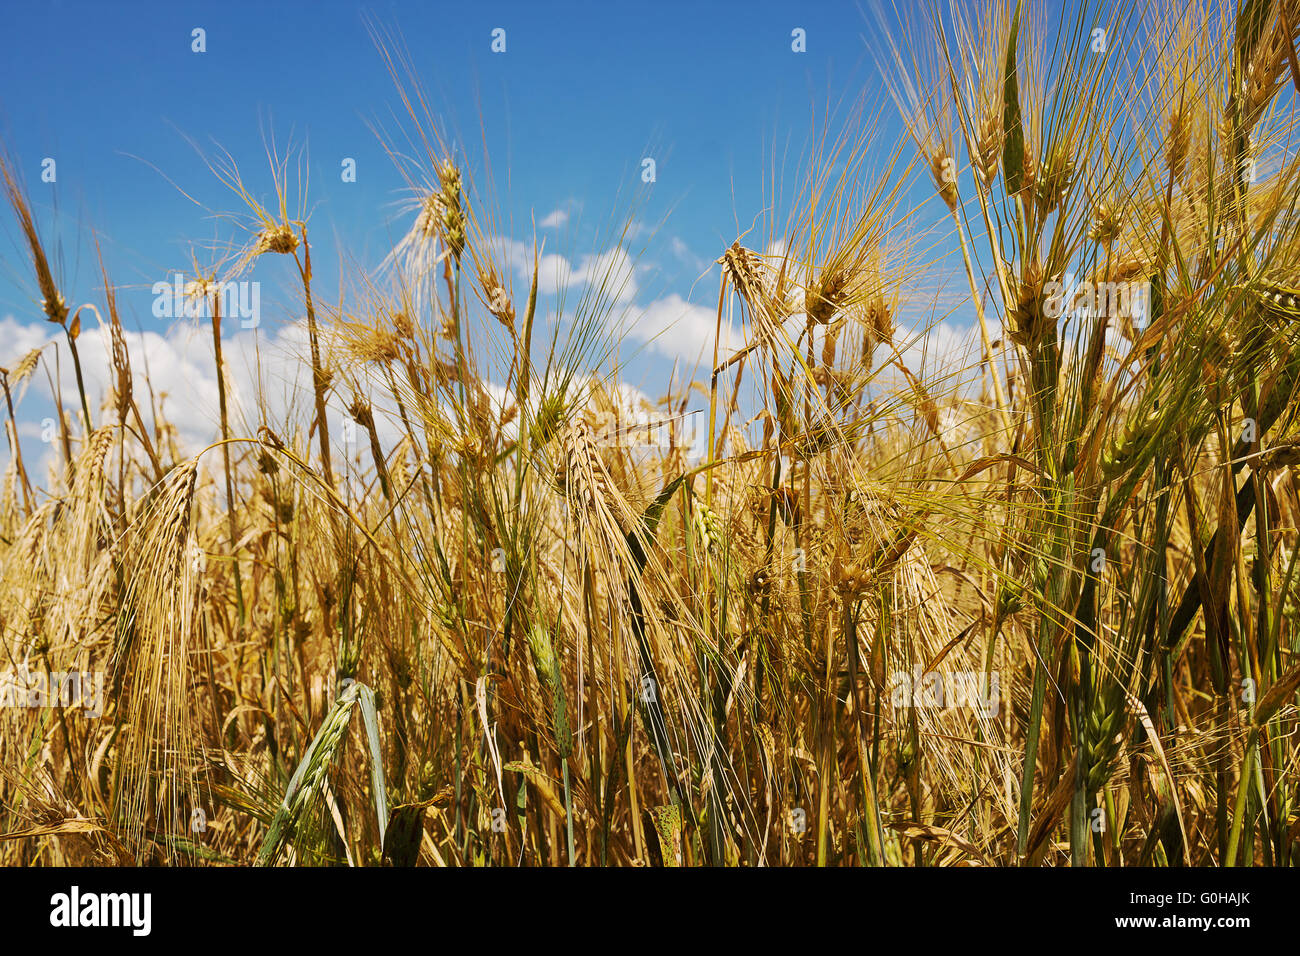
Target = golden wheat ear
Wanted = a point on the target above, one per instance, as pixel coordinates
(159, 635)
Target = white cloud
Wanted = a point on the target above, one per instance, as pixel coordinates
(268, 380)
(684, 254)
(555, 219)
(671, 326)
(948, 358)
(17, 339)
(938, 349)
(681, 329)
(614, 268)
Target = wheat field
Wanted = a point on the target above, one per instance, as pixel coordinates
(846, 599)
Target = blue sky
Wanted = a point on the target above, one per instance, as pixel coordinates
(712, 91)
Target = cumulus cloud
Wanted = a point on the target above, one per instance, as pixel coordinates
(17, 339)
(555, 219)
(613, 268)
(669, 326)
(948, 358)
(268, 380)
(683, 253)
(174, 363)
(941, 346)
(680, 329)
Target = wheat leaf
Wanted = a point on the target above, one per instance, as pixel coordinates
(1013, 152)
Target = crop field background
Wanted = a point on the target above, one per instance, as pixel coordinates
(437, 586)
